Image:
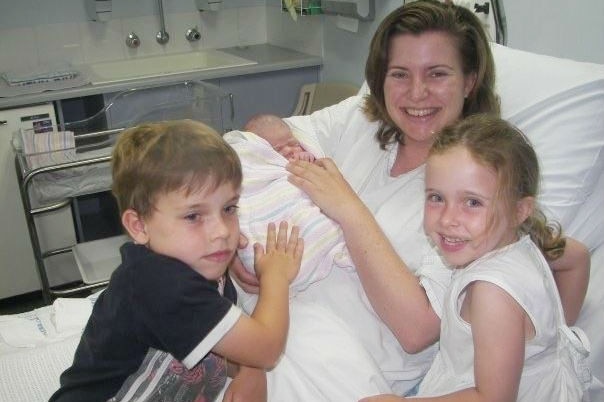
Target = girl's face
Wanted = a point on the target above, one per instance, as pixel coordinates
(200, 229)
(461, 213)
(425, 86)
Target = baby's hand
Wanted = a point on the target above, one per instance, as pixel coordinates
(281, 255)
(302, 156)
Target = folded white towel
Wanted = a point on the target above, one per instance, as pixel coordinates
(71, 314)
(40, 74)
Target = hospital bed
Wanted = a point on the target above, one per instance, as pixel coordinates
(560, 106)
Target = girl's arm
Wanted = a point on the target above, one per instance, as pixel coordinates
(259, 340)
(498, 331)
(394, 291)
(571, 273)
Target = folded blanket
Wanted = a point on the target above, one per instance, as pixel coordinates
(36, 142)
(267, 197)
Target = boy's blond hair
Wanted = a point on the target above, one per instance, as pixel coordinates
(156, 158)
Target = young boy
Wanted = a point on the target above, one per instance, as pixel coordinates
(167, 322)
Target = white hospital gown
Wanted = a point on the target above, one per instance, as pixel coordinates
(521, 271)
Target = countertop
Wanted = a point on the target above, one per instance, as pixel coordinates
(268, 58)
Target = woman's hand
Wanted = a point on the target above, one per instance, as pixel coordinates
(247, 281)
(326, 187)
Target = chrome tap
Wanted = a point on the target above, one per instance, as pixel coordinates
(193, 34)
(162, 36)
(132, 40)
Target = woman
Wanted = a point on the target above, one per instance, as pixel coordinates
(429, 65)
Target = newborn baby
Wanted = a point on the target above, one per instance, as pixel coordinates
(267, 196)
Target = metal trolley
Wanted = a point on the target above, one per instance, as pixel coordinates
(85, 166)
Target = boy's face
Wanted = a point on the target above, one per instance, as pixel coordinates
(200, 229)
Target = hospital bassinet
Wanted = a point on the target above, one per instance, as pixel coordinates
(55, 165)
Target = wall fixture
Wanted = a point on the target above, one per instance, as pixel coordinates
(193, 34)
(99, 10)
(362, 10)
(162, 36)
(133, 41)
(208, 5)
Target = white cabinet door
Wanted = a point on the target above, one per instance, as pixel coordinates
(18, 272)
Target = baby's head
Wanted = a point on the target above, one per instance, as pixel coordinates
(270, 127)
(278, 134)
(177, 185)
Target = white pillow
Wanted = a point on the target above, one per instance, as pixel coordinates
(559, 105)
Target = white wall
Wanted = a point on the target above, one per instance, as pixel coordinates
(559, 28)
(562, 28)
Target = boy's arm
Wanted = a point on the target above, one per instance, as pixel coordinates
(259, 340)
(571, 273)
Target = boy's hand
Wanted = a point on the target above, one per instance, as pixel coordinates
(282, 254)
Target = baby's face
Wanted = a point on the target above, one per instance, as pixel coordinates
(290, 148)
(283, 141)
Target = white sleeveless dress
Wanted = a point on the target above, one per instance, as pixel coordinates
(549, 372)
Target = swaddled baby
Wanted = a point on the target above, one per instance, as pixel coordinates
(264, 149)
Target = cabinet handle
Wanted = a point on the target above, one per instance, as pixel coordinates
(232, 101)
(3, 122)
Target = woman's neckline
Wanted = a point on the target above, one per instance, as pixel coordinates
(399, 165)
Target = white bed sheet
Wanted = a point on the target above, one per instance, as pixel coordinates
(591, 320)
(36, 346)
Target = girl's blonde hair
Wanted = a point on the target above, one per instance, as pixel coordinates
(156, 158)
(495, 143)
(416, 18)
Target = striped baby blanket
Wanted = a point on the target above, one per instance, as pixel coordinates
(267, 197)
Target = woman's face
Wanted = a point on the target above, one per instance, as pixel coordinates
(425, 86)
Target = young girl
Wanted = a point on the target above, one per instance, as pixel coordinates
(503, 336)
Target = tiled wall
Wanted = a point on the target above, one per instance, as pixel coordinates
(59, 30)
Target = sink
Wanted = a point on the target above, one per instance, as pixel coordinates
(147, 67)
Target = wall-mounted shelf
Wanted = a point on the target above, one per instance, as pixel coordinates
(363, 10)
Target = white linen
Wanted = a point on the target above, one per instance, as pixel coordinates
(31, 372)
(558, 104)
